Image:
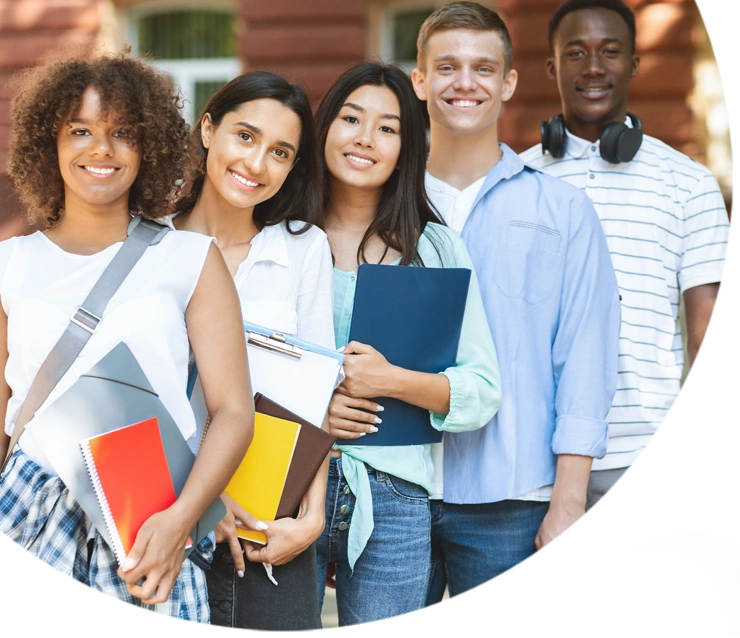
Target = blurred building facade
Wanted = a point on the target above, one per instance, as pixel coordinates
(204, 43)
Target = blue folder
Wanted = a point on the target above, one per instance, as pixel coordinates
(413, 316)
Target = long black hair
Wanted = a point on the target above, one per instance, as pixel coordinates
(299, 197)
(404, 209)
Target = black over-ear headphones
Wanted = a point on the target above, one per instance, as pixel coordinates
(618, 142)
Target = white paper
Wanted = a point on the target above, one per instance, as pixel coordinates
(304, 386)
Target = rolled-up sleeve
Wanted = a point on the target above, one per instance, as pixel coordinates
(475, 380)
(585, 348)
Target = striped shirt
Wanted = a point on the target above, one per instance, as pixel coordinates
(667, 228)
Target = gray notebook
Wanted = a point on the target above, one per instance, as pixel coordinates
(114, 393)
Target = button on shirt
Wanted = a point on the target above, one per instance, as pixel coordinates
(666, 225)
(475, 387)
(552, 303)
(455, 207)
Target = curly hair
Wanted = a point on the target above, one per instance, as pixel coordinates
(140, 96)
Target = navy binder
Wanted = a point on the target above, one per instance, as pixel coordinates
(413, 316)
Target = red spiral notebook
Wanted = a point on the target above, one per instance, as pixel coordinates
(129, 472)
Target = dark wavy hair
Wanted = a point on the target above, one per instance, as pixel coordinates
(298, 197)
(404, 208)
(137, 94)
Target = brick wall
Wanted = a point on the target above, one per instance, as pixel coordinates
(665, 42)
(311, 41)
(29, 31)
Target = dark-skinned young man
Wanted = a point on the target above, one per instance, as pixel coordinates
(663, 215)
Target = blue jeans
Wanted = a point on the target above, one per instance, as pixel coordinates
(474, 543)
(391, 575)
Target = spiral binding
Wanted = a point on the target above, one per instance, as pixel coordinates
(110, 522)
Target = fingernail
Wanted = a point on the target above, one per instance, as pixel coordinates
(363, 433)
(128, 563)
(239, 523)
(373, 428)
(379, 408)
(378, 419)
(261, 525)
(342, 348)
(240, 573)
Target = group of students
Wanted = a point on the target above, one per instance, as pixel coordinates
(272, 211)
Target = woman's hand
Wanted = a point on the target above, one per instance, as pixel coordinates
(156, 557)
(368, 373)
(286, 538)
(348, 418)
(236, 516)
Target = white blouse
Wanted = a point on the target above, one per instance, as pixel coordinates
(286, 283)
(40, 287)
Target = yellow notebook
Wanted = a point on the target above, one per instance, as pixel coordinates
(257, 485)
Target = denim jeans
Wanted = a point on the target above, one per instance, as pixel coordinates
(254, 602)
(391, 575)
(474, 543)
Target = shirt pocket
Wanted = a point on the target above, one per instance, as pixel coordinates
(280, 316)
(529, 261)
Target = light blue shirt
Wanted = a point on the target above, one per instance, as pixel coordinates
(552, 303)
(475, 386)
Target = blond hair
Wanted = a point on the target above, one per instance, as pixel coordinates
(463, 15)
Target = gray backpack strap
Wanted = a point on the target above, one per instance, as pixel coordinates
(142, 233)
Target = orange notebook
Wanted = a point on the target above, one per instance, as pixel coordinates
(129, 472)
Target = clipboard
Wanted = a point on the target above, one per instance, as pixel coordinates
(298, 375)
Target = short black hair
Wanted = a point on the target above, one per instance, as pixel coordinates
(575, 5)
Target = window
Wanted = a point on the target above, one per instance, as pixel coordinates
(196, 46)
(399, 28)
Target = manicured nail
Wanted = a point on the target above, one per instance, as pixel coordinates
(378, 419)
(240, 573)
(239, 523)
(342, 349)
(363, 433)
(261, 525)
(373, 428)
(379, 408)
(128, 563)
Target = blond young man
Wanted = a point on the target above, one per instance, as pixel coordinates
(552, 304)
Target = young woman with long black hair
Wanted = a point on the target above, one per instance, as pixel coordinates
(375, 210)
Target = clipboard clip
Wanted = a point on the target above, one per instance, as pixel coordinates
(275, 342)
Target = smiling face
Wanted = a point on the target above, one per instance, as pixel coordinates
(363, 142)
(593, 63)
(463, 81)
(250, 152)
(98, 156)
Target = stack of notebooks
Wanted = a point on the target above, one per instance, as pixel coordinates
(285, 454)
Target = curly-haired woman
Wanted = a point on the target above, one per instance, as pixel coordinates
(95, 141)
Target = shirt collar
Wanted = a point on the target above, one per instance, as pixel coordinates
(270, 245)
(508, 166)
(577, 146)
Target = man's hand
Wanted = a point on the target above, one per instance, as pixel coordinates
(286, 538)
(568, 502)
(226, 530)
(558, 518)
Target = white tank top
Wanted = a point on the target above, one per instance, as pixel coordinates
(41, 285)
